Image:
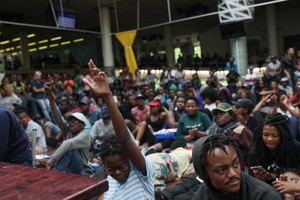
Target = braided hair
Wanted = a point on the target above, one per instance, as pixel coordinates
(286, 157)
(219, 141)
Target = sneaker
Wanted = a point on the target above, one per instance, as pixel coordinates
(148, 150)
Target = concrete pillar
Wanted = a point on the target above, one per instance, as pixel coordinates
(25, 56)
(107, 47)
(169, 45)
(239, 52)
(271, 29)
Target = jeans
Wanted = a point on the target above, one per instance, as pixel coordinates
(70, 163)
(44, 104)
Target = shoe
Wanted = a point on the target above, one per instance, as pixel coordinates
(148, 150)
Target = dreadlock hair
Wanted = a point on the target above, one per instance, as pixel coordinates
(219, 141)
(110, 146)
(286, 156)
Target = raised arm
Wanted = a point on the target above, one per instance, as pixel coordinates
(101, 88)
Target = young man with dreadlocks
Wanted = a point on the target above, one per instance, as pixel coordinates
(130, 173)
(274, 148)
(216, 160)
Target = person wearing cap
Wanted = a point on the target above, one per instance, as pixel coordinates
(250, 77)
(284, 85)
(245, 93)
(226, 122)
(139, 112)
(155, 121)
(243, 111)
(172, 97)
(91, 114)
(72, 156)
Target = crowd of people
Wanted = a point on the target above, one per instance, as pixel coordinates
(144, 134)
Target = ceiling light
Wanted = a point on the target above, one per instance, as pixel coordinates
(12, 48)
(18, 47)
(42, 41)
(16, 39)
(32, 44)
(32, 50)
(14, 54)
(31, 35)
(78, 40)
(2, 50)
(66, 42)
(53, 45)
(56, 38)
(7, 49)
(4, 42)
(43, 47)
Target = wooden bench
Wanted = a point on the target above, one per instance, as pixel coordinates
(21, 182)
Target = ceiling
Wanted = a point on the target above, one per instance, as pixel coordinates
(21, 15)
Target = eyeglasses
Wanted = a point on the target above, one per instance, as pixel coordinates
(122, 168)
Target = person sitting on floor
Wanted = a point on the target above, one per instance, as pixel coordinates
(73, 154)
(130, 173)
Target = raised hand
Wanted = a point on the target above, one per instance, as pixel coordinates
(101, 84)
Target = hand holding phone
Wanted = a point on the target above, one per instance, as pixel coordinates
(260, 172)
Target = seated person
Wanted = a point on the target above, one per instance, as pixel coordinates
(14, 146)
(170, 166)
(290, 187)
(129, 172)
(216, 160)
(184, 190)
(73, 154)
(53, 134)
(29, 125)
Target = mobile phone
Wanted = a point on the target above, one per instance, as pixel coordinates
(260, 168)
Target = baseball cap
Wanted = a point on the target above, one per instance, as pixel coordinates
(244, 103)
(85, 100)
(139, 96)
(283, 79)
(78, 116)
(246, 86)
(154, 103)
(224, 107)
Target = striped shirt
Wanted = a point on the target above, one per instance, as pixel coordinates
(137, 185)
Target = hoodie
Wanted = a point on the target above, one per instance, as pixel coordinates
(250, 188)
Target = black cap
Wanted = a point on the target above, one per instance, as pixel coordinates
(244, 103)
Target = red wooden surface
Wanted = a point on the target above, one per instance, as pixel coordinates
(21, 182)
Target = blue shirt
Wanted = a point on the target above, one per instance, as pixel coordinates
(14, 145)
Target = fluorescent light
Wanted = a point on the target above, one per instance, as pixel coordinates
(32, 44)
(16, 39)
(12, 48)
(78, 40)
(32, 50)
(53, 45)
(31, 35)
(2, 50)
(5, 42)
(43, 47)
(18, 47)
(56, 38)
(7, 49)
(43, 41)
(14, 54)
(66, 42)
